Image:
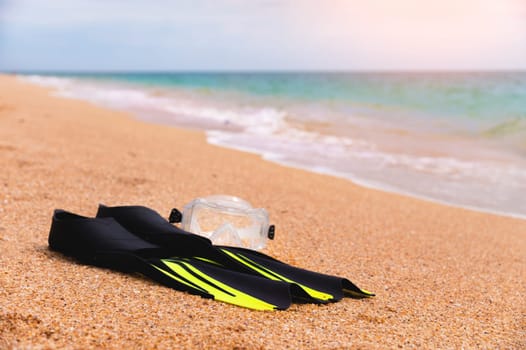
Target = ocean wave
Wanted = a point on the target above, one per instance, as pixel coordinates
(341, 145)
(47, 81)
(105, 94)
(507, 127)
(257, 121)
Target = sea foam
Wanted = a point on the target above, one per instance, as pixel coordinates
(393, 154)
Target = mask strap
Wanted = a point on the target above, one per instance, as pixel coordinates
(271, 232)
(175, 216)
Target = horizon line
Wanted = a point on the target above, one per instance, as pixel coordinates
(254, 71)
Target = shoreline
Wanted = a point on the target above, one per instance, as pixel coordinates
(373, 186)
(224, 135)
(444, 277)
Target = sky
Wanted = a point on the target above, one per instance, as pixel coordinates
(264, 35)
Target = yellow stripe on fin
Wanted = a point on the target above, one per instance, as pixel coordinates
(228, 294)
(277, 277)
(177, 278)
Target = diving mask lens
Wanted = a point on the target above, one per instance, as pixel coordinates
(228, 220)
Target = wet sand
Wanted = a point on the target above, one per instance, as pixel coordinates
(444, 277)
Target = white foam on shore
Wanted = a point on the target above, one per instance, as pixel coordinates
(278, 158)
(442, 180)
(477, 184)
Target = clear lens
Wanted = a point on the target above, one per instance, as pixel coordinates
(227, 220)
(210, 219)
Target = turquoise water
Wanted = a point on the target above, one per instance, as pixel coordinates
(477, 96)
(458, 138)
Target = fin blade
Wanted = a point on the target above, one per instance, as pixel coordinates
(314, 293)
(213, 286)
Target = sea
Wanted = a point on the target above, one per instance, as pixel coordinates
(451, 137)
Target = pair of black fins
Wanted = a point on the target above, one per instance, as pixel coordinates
(138, 239)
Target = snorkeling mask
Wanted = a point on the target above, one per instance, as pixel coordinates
(226, 220)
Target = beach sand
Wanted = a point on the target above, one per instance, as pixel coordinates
(444, 277)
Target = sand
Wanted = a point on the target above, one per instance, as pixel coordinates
(444, 277)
